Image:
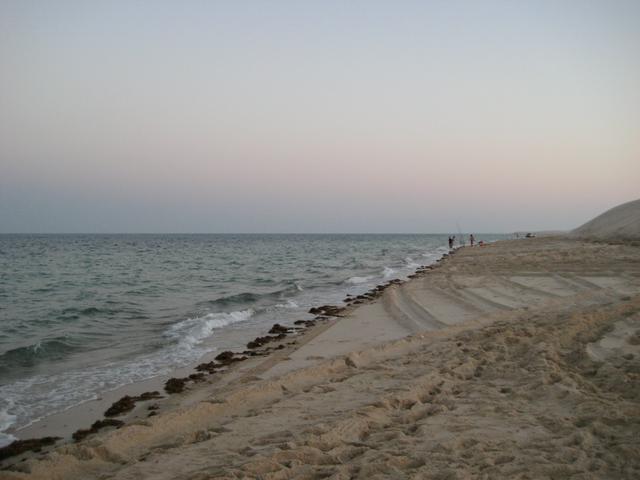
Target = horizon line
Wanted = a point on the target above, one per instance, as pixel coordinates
(278, 233)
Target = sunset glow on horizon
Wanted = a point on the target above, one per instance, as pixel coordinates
(316, 117)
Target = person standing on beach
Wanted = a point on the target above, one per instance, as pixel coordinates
(471, 239)
(450, 242)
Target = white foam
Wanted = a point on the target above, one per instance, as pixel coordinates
(192, 331)
(358, 280)
(290, 304)
(388, 272)
(6, 439)
(410, 263)
(28, 400)
(6, 421)
(34, 398)
(434, 255)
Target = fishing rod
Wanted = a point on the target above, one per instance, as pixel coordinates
(460, 240)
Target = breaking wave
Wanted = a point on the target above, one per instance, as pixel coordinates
(358, 280)
(192, 331)
(388, 272)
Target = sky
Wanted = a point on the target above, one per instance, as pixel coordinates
(358, 116)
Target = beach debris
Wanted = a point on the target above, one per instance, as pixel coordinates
(197, 377)
(148, 396)
(260, 341)
(209, 367)
(227, 358)
(423, 270)
(20, 446)
(307, 323)
(107, 422)
(330, 310)
(127, 403)
(277, 328)
(350, 361)
(224, 359)
(175, 385)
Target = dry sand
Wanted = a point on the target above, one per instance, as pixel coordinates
(621, 223)
(522, 360)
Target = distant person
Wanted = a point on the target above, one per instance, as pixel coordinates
(450, 242)
(471, 239)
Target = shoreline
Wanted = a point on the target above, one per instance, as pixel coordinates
(493, 341)
(170, 319)
(64, 423)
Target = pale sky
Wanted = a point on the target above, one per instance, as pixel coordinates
(239, 116)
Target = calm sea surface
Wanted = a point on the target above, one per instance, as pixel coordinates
(81, 314)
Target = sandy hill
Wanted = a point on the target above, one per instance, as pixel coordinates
(619, 223)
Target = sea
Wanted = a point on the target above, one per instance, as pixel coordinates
(84, 314)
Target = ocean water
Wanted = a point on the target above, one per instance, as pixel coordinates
(82, 314)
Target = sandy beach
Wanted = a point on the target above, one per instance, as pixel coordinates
(519, 359)
(319, 240)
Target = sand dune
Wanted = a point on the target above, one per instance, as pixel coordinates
(621, 223)
(522, 361)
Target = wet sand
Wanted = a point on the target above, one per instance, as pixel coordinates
(519, 359)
